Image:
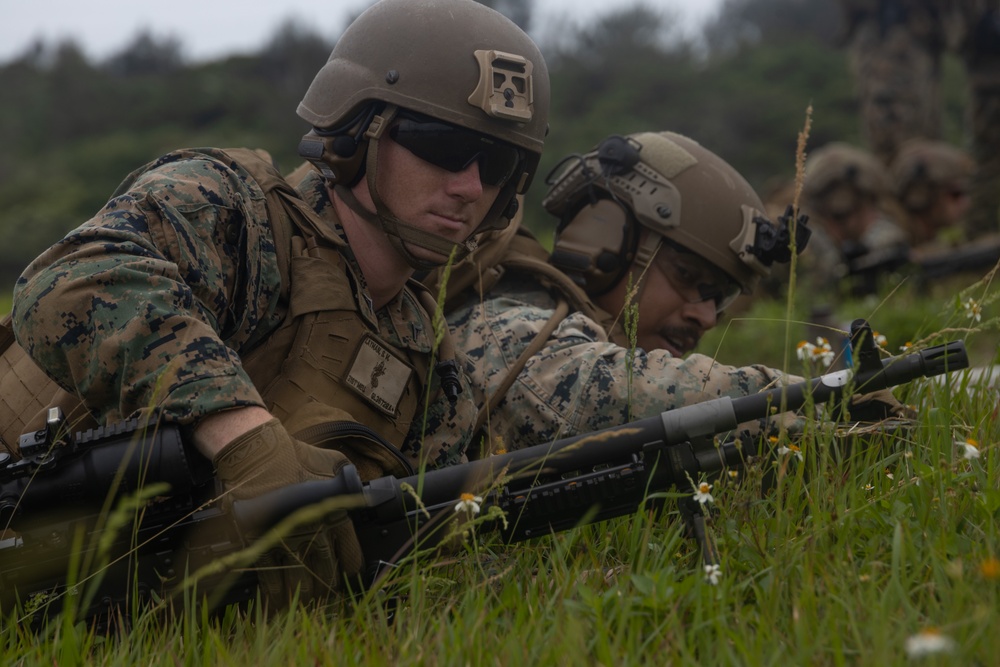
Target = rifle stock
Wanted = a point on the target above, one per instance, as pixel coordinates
(50, 497)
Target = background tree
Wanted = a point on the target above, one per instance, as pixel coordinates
(73, 129)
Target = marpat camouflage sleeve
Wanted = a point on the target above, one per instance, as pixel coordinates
(579, 381)
(145, 308)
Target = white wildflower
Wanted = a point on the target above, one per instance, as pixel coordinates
(713, 573)
(786, 450)
(973, 310)
(969, 449)
(469, 503)
(823, 353)
(928, 642)
(702, 495)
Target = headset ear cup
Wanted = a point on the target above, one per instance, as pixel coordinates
(344, 146)
(340, 153)
(596, 245)
(339, 163)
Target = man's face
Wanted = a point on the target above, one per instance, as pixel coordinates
(953, 204)
(851, 227)
(673, 315)
(447, 203)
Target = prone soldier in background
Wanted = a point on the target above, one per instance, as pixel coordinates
(656, 237)
(895, 49)
(212, 294)
(845, 194)
(931, 182)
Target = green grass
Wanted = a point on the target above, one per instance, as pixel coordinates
(845, 555)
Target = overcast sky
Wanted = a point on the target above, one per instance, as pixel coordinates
(211, 28)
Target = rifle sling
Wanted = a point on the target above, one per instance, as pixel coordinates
(558, 315)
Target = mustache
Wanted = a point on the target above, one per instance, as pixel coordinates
(686, 338)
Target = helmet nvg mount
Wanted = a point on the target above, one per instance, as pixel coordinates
(456, 61)
(841, 178)
(672, 186)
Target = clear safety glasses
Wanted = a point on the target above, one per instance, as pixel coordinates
(695, 279)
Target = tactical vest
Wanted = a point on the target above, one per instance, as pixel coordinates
(27, 393)
(515, 248)
(325, 371)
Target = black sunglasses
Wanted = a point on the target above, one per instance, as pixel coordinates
(455, 148)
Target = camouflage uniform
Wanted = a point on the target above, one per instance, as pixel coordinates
(845, 194)
(148, 308)
(584, 378)
(895, 48)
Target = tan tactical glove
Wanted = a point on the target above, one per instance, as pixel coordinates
(312, 558)
(878, 406)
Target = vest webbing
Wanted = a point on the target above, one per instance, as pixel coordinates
(515, 248)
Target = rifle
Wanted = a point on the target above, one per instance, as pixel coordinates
(58, 496)
(980, 255)
(865, 268)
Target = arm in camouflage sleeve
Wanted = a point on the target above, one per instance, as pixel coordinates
(580, 381)
(144, 308)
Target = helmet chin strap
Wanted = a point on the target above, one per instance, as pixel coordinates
(400, 233)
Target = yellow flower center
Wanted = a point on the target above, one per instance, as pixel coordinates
(467, 497)
(990, 568)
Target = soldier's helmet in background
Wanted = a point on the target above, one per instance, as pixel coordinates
(669, 184)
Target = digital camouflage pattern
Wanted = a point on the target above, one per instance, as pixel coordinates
(896, 50)
(147, 308)
(580, 381)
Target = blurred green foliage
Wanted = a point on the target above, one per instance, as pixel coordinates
(71, 129)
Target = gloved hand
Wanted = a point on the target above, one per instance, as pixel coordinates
(878, 406)
(312, 558)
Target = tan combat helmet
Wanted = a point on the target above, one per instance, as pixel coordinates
(672, 186)
(455, 61)
(840, 178)
(924, 168)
